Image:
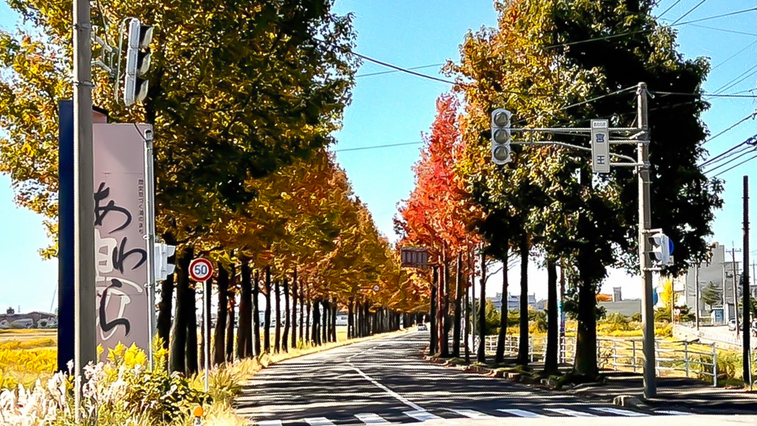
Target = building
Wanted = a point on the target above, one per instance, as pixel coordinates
(513, 301)
(623, 307)
(29, 320)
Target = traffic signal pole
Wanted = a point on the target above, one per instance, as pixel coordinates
(645, 223)
(85, 350)
(640, 138)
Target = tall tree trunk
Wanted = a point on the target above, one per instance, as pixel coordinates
(443, 302)
(231, 320)
(303, 320)
(434, 344)
(244, 329)
(165, 307)
(192, 346)
(481, 353)
(294, 308)
(585, 362)
(307, 337)
(267, 315)
(219, 346)
(277, 296)
(333, 321)
(550, 363)
(501, 339)
(458, 305)
(468, 288)
(287, 313)
(351, 319)
(256, 313)
(177, 361)
(523, 344)
(325, 325)
(316, 322)
(445, 309)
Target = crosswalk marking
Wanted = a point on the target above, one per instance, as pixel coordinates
(519, 413)
(569, 412)
(421, 415)
(618, 412)
(674, 412)
(319, 421)
(371, 419)
(269, 423)
(472, 414)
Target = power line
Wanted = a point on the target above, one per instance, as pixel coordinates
(752, 115)
(724, 30)
(734, 55)
(400, 69)
(362, 148)
(668, 9)
(737, 165)
(709, 18)
(687, 13)
(703, 94)
(393, 71)
(746, 74)
(740, 154)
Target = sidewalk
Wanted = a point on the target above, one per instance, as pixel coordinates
(672, 394)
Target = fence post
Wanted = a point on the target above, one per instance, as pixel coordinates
(714, 366)
(686, 356)
(531, 347)
(657, 357)
(614, 355)
(633, 342)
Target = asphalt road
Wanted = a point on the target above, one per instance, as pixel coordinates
(386, 381)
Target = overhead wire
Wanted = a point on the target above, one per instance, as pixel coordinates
(362, 148)
(741, 153)
(737, 165)
(732, 126)
(393, 71)
(668, 9)
(687, 13)
(738, 79)
(734, 55)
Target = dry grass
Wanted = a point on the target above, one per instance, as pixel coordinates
(25, 361)
(27, 334)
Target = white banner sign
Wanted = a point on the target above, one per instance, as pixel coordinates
(600, 146)
(120, 229)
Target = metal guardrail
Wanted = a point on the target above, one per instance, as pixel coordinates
(690, 358)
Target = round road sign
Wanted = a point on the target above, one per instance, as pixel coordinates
(200, 269)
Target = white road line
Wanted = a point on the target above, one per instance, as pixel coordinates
(269, 423)
(569, 412)
(519, 413)
(471, 414)
(421, 415)
(674, 412)
(319, 421)
(371, 419)
(618, 412)
(392, 393)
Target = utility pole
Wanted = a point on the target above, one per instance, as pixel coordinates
(84, 201)
(734, 271)
(696, 286)
(745, 284)
(645, 223)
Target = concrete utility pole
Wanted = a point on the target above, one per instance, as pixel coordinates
(745, 287)
(734, 271)
(696, 287)
(645, 223)
(84, 201)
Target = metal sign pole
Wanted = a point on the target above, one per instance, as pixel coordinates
(206, 328)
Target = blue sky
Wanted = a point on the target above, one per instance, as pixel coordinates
(395, 108)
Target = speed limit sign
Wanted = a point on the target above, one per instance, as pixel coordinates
(200, 269)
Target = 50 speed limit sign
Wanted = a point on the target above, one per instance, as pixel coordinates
(200, 269)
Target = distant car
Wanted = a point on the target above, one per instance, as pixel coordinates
(422, 327)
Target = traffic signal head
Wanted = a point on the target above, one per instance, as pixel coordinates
(659, 248)
(138, 58)
(501, 136)
(162, 268)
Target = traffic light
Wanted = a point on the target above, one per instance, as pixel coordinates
(137, 62)
(162, 268)
(501, 136)
(660, 248)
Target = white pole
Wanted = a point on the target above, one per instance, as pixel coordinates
(206, 328)
(150, 212)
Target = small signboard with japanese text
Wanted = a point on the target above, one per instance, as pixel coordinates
(600, 146)
(414, 257)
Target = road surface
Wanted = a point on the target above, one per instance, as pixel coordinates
(386, 381)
